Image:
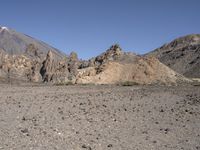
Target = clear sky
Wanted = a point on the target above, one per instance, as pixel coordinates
(89, 27)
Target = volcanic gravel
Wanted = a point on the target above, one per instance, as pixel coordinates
(88, 117)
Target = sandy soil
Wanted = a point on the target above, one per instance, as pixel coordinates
(99, 118)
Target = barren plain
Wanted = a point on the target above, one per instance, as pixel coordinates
(103, 117)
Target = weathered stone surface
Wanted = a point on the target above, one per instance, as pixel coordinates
(19, 67)
(143, 71)
(113, 53)
(53, 70)
(73, 66)
(34, 72)
(47, 69)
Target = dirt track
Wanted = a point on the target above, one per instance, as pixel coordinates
(99, 118)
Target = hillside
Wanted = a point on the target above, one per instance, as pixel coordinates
(182, 55)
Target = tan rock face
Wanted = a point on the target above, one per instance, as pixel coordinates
(143, 71)
(34, 72)
(110, 55)
(30, 67)
(19, 68)
(53, 70)
(47, 69)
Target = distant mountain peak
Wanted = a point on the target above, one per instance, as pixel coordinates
(16, 43)
(3, 28)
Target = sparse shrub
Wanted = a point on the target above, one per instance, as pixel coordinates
(64, 83)
(196, 82)
(128, 83)
(87, 84)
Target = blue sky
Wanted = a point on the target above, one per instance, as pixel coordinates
(89, 27)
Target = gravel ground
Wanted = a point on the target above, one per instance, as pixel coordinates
(99, 117)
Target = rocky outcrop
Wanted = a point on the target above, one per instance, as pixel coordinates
(182, 55)
(3, 70)
(19, 67)
(34, 72)
(73, 66)
(53, 70)
(147, 70)
(112, 54)
(48, 68)
(30, 68)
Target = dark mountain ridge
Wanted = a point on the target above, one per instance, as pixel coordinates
(182, 55)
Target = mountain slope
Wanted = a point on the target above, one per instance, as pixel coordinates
(15, 43)
(182, 55)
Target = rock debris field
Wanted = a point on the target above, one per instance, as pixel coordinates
(88, 117)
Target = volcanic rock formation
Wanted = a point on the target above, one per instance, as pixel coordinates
(53, 70)
(115, 66)
(18, 67)
(25, 59)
